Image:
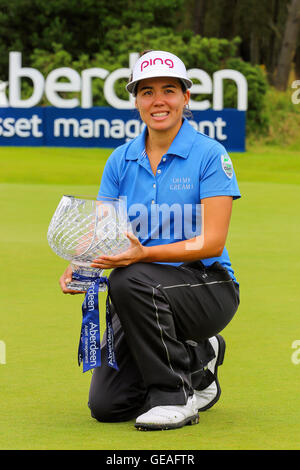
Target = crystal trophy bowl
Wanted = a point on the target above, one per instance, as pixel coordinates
(82, 229)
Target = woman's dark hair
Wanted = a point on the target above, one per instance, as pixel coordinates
(146, 51)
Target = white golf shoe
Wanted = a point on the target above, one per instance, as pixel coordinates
(207, 397)
(169, 417)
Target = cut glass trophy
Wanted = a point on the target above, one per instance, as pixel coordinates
(82, 229)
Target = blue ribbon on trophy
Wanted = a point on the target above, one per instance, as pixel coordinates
(89, 350)
(81, 229)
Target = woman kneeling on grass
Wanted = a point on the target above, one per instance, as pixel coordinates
(173, 290)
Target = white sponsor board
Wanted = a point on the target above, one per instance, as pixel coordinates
(81, 83)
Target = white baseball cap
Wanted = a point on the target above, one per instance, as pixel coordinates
(158, 64)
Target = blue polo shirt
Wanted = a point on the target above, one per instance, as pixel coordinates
(165, 208)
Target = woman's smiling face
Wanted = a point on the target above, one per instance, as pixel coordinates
(160, 102)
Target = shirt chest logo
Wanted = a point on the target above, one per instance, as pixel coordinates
(181, 183)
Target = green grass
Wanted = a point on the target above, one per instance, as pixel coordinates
(44, 393)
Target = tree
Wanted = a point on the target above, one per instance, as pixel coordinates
(288, 47)
(80, 26)
(198, 9)
(297, 63)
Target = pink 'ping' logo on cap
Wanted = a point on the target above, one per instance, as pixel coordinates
(167, 62)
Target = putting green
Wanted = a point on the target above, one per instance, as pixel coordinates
(43, 391)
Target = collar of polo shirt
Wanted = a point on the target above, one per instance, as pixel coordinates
(181, 145)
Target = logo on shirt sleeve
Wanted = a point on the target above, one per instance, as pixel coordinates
(227, 165)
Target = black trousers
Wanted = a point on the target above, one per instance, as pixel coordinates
(163, 317)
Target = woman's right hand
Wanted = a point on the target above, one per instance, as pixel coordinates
(65, 279)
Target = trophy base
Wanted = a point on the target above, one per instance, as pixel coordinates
(83, 286)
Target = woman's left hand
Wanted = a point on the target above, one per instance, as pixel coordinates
(134, 254)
